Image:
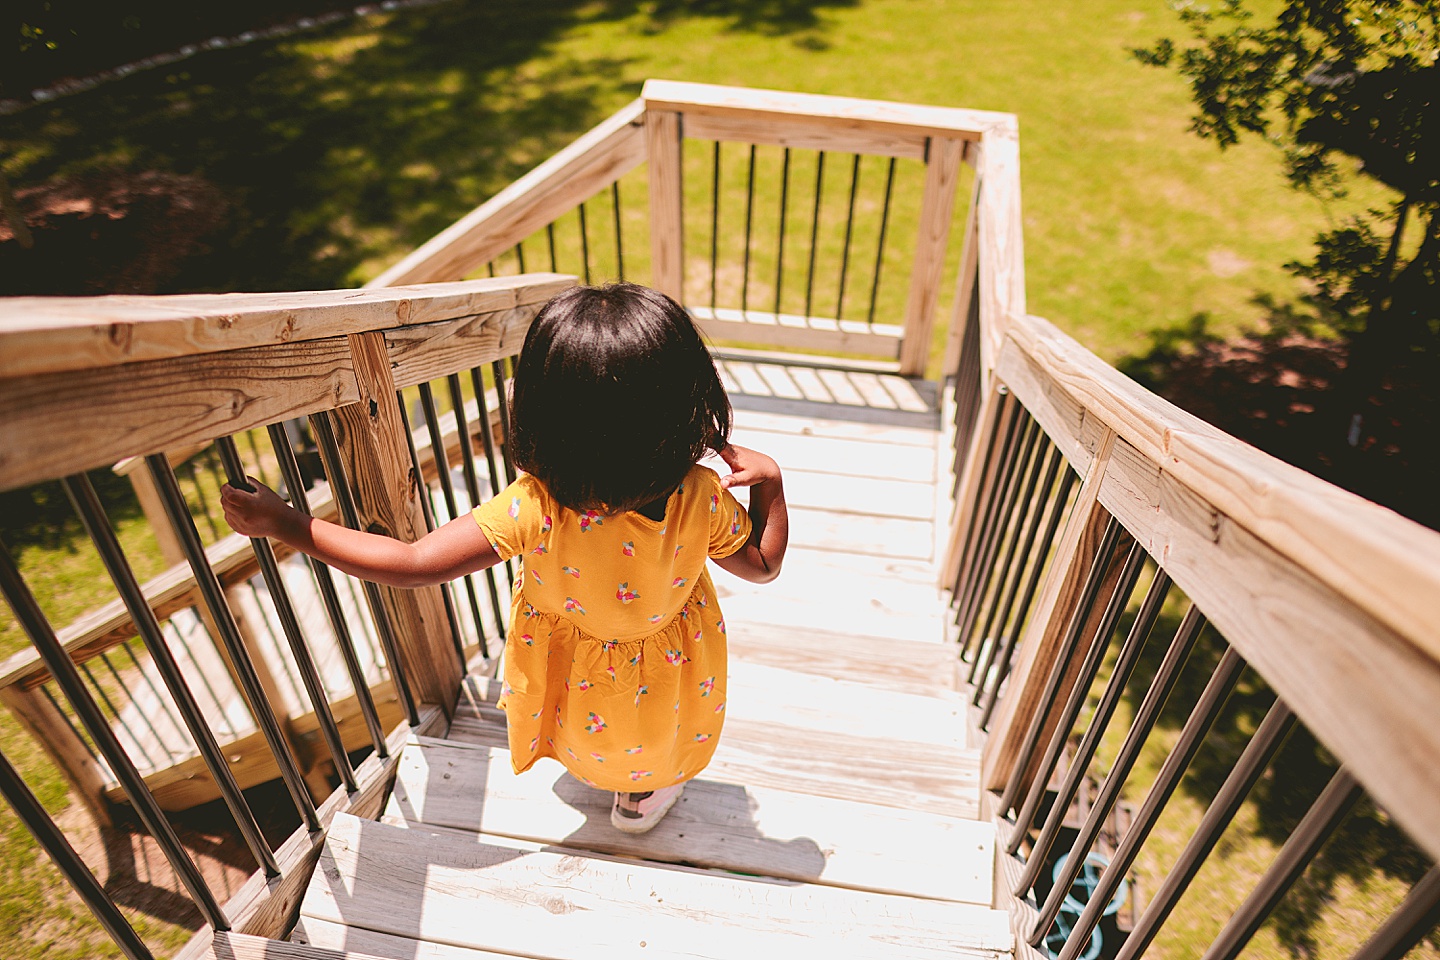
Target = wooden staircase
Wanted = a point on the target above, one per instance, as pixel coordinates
(839, 815)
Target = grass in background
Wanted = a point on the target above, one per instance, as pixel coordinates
(338, 151)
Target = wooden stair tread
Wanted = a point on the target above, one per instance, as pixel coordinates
(745, 829)
(905, 666)
(410, 883)
(336, 943)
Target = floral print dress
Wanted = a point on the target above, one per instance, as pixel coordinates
(615, 659)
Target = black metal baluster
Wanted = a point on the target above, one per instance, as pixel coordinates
(209, 586)
(487, 439)
(715, 226)
(105, 698)
(550, 242)
(28, 808)
(1319, 823)
(84, 741)
(447, 489)
(1247, 770)
(325, 581)
(259, 460)
(1192, 736)
(184, 644)
(619, 245)
(437, 453)
(1404, 928)
(107, 545)
(502, 404)
(1012, 564)
(144, 716)
(200, 499)
(67, 678)
(1161, 685)
(814, 231)
(290, 625)
(159, 698)
(584, 243)
(780, 243)
(1089, 667)
(1001, 502)
(1032, 582)
(335, 472)
(999, 616)
(520, 255)
(880, 243)
(749, 220)
(975, 516)
(1094, 580)
(1124, 665)
(472, 489)
(1011, 413)
(849, 232)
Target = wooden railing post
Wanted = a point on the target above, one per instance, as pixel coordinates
(667, 225)
(387, 496)
(942, 172)
(1045, 632)
(46, 724)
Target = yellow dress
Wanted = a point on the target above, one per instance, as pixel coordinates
(615, 658)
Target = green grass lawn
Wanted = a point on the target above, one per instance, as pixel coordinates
(335, 152)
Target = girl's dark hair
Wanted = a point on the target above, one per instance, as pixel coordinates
(616, 397)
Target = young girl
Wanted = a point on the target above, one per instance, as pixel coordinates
(615, 659)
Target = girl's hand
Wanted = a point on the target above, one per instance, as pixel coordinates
(257, 514)
(747, 467)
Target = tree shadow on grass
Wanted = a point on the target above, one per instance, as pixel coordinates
(1278, 390)
(334, 150)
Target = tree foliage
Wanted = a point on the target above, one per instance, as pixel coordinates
(1339, 85)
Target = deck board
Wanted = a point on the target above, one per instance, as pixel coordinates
(749, 830)
(413, 884)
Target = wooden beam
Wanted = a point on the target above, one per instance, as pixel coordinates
(799, 133)
(667, 223)
(965, 284)
(57, 424)
(387, 495)
(51, 334)
(590, 164)
(807, 333)
(942, 173)
(1002, 249)
(1388, 566)
(821, 113)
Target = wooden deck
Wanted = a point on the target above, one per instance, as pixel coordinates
(840, 812)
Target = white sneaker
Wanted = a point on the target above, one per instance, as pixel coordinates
(639, 812)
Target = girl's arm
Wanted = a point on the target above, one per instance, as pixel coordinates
(759, 559)
(451, 551)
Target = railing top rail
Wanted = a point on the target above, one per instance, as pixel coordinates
(41, 335)
(848, 113)
(1385, 564)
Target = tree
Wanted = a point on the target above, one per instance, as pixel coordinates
(1326, 81)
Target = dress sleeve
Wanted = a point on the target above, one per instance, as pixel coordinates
(517, 518)
(729, 523)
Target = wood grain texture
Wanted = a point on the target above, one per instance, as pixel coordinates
(1002, 253)
(803, 134)
(942, 174)
(905, 666)
(238, 946)
(1387, 565)
(1077, 432)
(434, 350)
(593, 162)
(743, 829)
(1039, 644)
(53, 334)
(336, 938)
(57, 424)
(372, 444)
(667, 223)
(1367, 694)
(267, 907)
(413, 884)
(795, 332)
(820, 113)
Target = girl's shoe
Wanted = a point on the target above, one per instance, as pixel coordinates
(639, 812)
